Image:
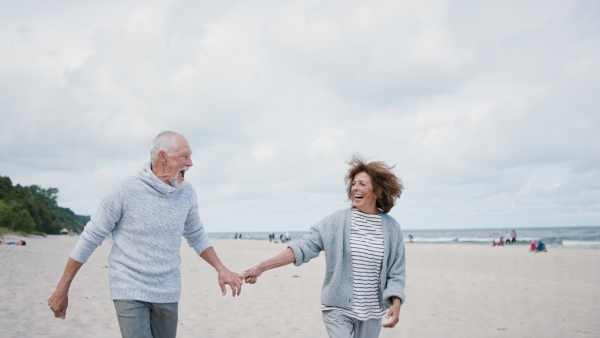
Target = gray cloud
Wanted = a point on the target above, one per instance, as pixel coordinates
(489, 111)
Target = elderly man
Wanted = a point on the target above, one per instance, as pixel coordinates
(147, 214)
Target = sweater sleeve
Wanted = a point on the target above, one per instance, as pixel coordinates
(194, 231)
(396, 275)
(101, 225)
(309, 246)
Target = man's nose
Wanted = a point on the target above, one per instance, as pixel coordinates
(189, 162)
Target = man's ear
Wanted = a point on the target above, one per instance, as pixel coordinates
(162, 157)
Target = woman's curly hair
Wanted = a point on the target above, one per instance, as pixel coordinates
(386, 186)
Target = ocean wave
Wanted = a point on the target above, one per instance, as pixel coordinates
(475, 239)
(433, 240)
(580, 244)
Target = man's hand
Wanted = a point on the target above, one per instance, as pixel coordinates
(251, 275)
(226, 276)
(232, 279)
(393, 313)
(58, 302)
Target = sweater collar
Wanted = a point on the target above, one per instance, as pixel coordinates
(146, 175)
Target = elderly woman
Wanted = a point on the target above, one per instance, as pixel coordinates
(364, 253)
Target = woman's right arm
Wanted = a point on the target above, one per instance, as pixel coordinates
(298, 252)
(284, 258)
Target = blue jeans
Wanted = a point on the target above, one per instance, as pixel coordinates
(139, 319)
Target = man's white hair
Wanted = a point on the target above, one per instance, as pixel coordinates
(165, 141)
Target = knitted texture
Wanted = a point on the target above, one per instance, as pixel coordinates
(146, 219)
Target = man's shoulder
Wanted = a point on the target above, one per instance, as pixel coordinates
(124, 185)
(126, 182)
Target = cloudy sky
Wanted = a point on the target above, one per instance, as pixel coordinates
(490, 111)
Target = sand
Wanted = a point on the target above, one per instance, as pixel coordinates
(452, 291)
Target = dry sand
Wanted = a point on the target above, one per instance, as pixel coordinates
(452, 291)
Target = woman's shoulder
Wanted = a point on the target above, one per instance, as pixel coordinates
(391, 222)
(338, 216)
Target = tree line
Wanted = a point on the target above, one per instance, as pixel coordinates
(32, 209)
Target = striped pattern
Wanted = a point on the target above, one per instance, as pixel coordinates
(366, 244)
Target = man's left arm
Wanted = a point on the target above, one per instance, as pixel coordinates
(198, 239)
(226, 276)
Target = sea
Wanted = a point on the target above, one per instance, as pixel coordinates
(586, 237)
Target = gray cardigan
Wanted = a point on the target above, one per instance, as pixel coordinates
(332, 235)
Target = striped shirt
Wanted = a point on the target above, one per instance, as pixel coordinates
(366, 246)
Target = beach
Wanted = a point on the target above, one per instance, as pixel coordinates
(453, 290)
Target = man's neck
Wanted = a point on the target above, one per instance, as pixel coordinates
(159, 172)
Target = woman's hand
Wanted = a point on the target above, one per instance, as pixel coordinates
(393, 313)
(283, 258)
(251, 275)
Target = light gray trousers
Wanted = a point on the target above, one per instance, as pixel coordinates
(341, 326)
(139, 319)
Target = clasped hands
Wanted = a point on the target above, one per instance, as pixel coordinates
(235, 280)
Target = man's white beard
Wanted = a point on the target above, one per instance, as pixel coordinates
(174, 182)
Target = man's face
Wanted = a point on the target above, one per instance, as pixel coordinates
(178, 163)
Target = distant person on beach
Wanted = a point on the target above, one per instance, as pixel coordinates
(146, 214)
(410, 238)
(513, 236)
(541, 247)
(367, 284)
(17, 242)
(532, 245)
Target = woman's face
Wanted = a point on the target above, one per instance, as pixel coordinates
(363, 197)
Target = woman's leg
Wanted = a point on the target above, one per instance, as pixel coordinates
(368, 328)
(338, 325)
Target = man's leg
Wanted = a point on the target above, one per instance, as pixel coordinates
(338, 325)
(134, 318)
(368, 328)
(163, 320)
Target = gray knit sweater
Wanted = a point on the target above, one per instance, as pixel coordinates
(146, 218)
(332, 235)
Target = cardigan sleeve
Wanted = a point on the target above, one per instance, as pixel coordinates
(396, 273)
(309, 246)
